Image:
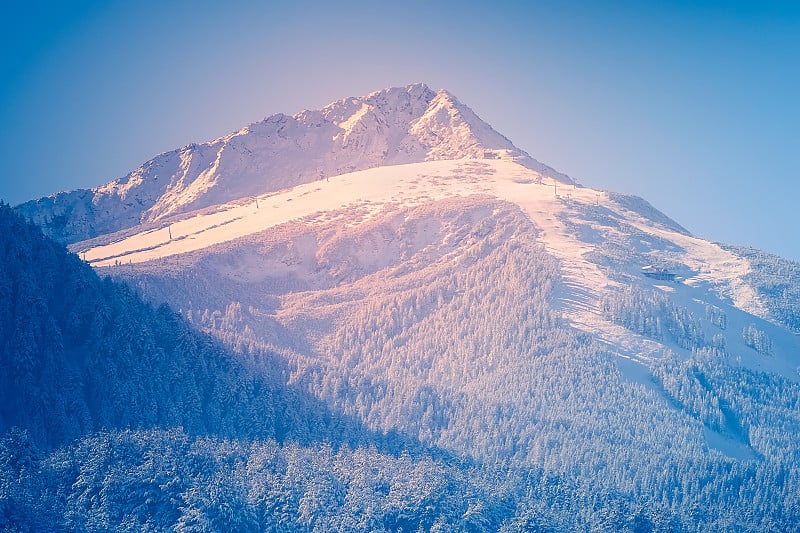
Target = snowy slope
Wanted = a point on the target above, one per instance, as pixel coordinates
(387, 127)
(600, 240)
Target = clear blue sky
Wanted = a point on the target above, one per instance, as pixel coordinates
(694, 106)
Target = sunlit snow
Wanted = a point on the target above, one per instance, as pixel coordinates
(710, 274)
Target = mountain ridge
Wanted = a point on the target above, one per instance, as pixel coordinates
(386, 127)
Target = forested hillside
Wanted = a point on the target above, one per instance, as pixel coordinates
(440, 323)
(436, 387)
(119, 417)
(80, 354)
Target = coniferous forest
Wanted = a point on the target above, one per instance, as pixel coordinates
(460, 402)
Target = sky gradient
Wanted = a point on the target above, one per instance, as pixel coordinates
(692, 105)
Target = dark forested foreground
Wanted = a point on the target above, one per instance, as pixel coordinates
(159, 480)
(119, 416)
(164, 480)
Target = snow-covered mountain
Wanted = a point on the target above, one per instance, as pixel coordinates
(424, 278)
(485, 310)
(392, 126)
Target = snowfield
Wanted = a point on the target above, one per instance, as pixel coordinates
(572, 222)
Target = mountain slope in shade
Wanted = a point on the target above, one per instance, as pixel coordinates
(79, 354)
(387, 127)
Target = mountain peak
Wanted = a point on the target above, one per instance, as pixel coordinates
(445, 94)
(417, 91)
(396, 125)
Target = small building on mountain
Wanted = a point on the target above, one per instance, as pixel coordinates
(654, 272)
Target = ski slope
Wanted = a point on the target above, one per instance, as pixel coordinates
(360, 193)
(711, 275)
